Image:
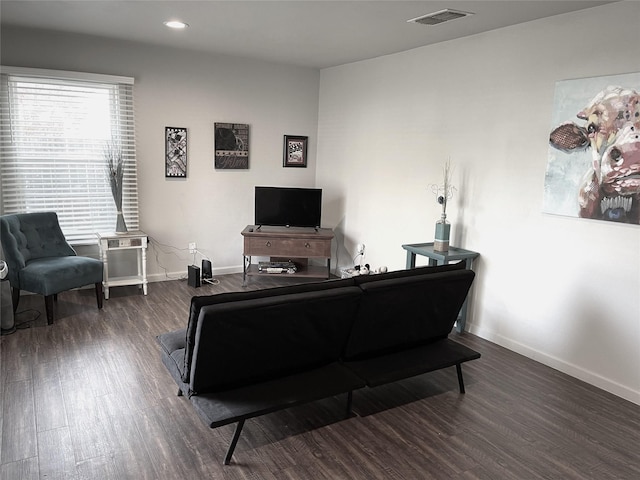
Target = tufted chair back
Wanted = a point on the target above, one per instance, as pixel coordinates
(28, 236)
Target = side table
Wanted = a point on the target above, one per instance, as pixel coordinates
(443, 258)
(114, 242)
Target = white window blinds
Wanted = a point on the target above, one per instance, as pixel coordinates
(55, 128)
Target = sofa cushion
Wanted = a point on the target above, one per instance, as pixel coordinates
(399, 313)
(198, 302)
(410, 362)
(171, 342)
(252, 400)
(247, 342)
(172, 345)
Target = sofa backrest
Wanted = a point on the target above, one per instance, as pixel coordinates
(412, 272)
(197, 303)
(244, 342)
(397, 313)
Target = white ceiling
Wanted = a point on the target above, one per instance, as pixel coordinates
(311, 33)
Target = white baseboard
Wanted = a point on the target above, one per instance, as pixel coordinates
(558, 364)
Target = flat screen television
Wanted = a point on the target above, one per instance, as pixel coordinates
(288, 207)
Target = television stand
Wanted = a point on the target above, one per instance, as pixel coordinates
(283, 244)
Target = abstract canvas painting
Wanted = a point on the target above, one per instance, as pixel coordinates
(593, 168)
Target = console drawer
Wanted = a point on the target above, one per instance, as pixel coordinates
(287, 247)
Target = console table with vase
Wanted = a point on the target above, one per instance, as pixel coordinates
(437, 257)
(287, 244)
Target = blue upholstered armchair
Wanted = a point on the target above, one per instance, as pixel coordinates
(41, 261)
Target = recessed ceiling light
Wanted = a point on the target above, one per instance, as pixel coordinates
(177, 24)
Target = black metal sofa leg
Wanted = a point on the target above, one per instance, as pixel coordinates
(460, 380)
(234, 442)
(349, 404)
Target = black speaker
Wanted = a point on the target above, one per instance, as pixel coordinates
(194, 276)
(206, 269)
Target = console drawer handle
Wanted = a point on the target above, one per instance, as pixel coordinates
(306, 245)
(268, 244)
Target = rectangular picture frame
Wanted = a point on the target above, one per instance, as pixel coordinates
(593, 121)
(295, 151)
(175, 152)
(231, 146)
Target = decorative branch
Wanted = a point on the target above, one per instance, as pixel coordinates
(445, 191)
(115, 171)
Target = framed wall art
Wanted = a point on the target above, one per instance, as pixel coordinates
(231, 143)
(175, 151)
(594, 149)
(295, 151)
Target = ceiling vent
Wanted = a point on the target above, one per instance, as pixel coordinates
(442, 16)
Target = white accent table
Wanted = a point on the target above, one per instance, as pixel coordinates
(114, 242)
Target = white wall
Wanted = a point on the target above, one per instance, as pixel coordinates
(564, 291)
(186, 89)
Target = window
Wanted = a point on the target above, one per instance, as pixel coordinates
(55, 129)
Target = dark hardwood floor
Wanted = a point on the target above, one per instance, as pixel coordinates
(88, 398)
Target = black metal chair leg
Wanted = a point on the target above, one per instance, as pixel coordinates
(179, 392)
(234, 442)
(460, 381)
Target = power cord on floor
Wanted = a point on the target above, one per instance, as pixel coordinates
(24, 324)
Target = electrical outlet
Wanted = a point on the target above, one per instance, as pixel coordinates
(192, 247)
(360, 248)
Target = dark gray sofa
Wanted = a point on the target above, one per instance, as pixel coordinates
(246, 354)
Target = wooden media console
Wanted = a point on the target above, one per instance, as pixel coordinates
(283, 244)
